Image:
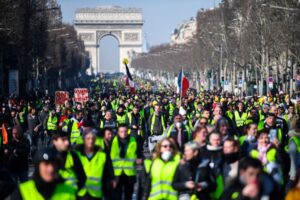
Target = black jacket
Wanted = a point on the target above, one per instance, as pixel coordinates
(197, 171)
(17, 156)
(7, 184)
(215, 156)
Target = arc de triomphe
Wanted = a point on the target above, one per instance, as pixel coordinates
(125, 24)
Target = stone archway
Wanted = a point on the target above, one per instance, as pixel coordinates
(125, 24)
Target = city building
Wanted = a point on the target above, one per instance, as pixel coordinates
(184, 32)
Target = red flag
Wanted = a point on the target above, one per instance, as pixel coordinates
(4, 135)
(185, 86)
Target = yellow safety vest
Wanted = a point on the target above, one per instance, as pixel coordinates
(29, 191)
(93, 169)
(68, 173)
(240, 120)
(189, 132)
(75, 132)
(130, 120)
(162, 175)
(52, 123)
(121, 119)
(127, 164)
(153, 122)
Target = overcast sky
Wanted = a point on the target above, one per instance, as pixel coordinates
(161, 17)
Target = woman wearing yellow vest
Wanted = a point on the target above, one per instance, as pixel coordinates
(162, 171)
(46, 183)
(97, 167)
(268, 155)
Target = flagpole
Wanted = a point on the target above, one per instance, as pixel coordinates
(181, 86)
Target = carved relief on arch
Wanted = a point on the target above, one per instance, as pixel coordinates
(131, 37)
(87, 37)
(117, 34)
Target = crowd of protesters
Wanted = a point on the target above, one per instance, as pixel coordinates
(152, 146)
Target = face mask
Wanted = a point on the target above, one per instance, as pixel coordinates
(231, 157)
(178, 124)
(251, 138)
(166, 155)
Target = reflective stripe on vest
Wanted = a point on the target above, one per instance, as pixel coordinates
(108, 124)
(162, 174)
(240, 120)
(94, 171)
(153, 122)
(127, 164)
(29, 191)
(52, 123)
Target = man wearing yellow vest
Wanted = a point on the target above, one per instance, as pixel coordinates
(135, 122)
(108, 122)
(121, 115)
(136, 125)
(46, 183)
(156, 126)
(71, 126)
(125, 155)
(71, 168)
(97, 166)
(51, 125)
(240, 117)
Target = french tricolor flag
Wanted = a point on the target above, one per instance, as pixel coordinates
(129, 80)
(182, 83)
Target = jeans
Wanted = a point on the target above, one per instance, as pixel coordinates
(125, 187)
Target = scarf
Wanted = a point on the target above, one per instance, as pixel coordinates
(263, 154)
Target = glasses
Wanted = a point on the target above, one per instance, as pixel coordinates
(166, 146)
